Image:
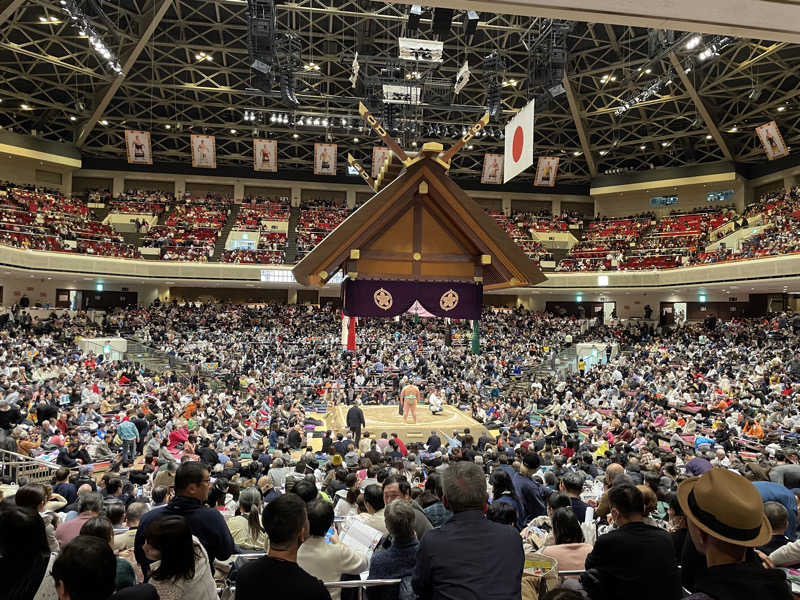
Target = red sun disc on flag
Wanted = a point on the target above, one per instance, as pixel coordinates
(519, 141)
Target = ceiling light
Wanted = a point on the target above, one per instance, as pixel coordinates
(781, 108)
(694, 42)
(316, 122)
(233, 132)
(664, 144)
(300, 121)
(648, 71)
(470, 147)
(604, 78)
(43, 19)
(613, 78)
(687, 70)
(733, 129)
(414, 144)
(324, 122)
(24, 107)
(167, 126)
(355, 140)
(73, 118)
(103, 122)
(603, 152)
(709, 136)
(295, 136)
(642, 147)
(576, 153)
(311, 66)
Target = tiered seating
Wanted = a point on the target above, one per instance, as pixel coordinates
(316, 220)
(44, 220)
(260, 257)
(516, 230)
(138, 202)
(642, 263)
(255, 216)
(190, 231)
(583, 264)
(604, 243)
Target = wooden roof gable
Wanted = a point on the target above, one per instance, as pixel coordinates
(420, 227)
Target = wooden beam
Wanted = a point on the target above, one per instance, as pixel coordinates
(576, 109)
(151, 16)
(416, 265)
(701, 108)
(8, 8)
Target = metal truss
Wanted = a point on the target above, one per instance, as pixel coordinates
(168, 90)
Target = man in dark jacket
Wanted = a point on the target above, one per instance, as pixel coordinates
(725, 515)
(469, 557)
(635, 560)
(434, 442)
(355, 421)
(192, 484)
(10, 416)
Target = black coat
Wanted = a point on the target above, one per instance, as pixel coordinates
(469, 558)
(634, 561)
(207, 524)
(355, 418)
(434, 443)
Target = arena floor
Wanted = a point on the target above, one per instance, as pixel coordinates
(386, 418)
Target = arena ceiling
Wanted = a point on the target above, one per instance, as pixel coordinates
(185, 70)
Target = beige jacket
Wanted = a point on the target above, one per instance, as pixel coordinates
(329, 561)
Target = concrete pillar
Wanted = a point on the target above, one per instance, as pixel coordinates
(743, 194)
(180, 187)
(297, 195)
(789, 181)
(238, 191)
(507, 204)
(118, 185)
(351, 199)
(291, 297)
(66, 181)
(556, 206)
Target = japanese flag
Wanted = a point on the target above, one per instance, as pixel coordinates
(519, 143)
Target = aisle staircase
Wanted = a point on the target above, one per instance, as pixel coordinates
(100, 213)
(291, 238)
(222, 239)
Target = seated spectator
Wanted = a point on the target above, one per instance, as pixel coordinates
(180, 567)
(125, 539)
(452, 561)
(503, 491)
(635, 560)
(399, 560)
(90, 505)
(373, 500)
(570, 549)
(397, 487)
(778, 519)
(286, 522)
(572, 485)
(726, 517)
(101, 527)
(85, 570)
(246, 525)
(503, 512)
(325, 560)
(32, 496)
(25, 558)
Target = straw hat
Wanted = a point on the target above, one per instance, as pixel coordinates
(726, 506)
